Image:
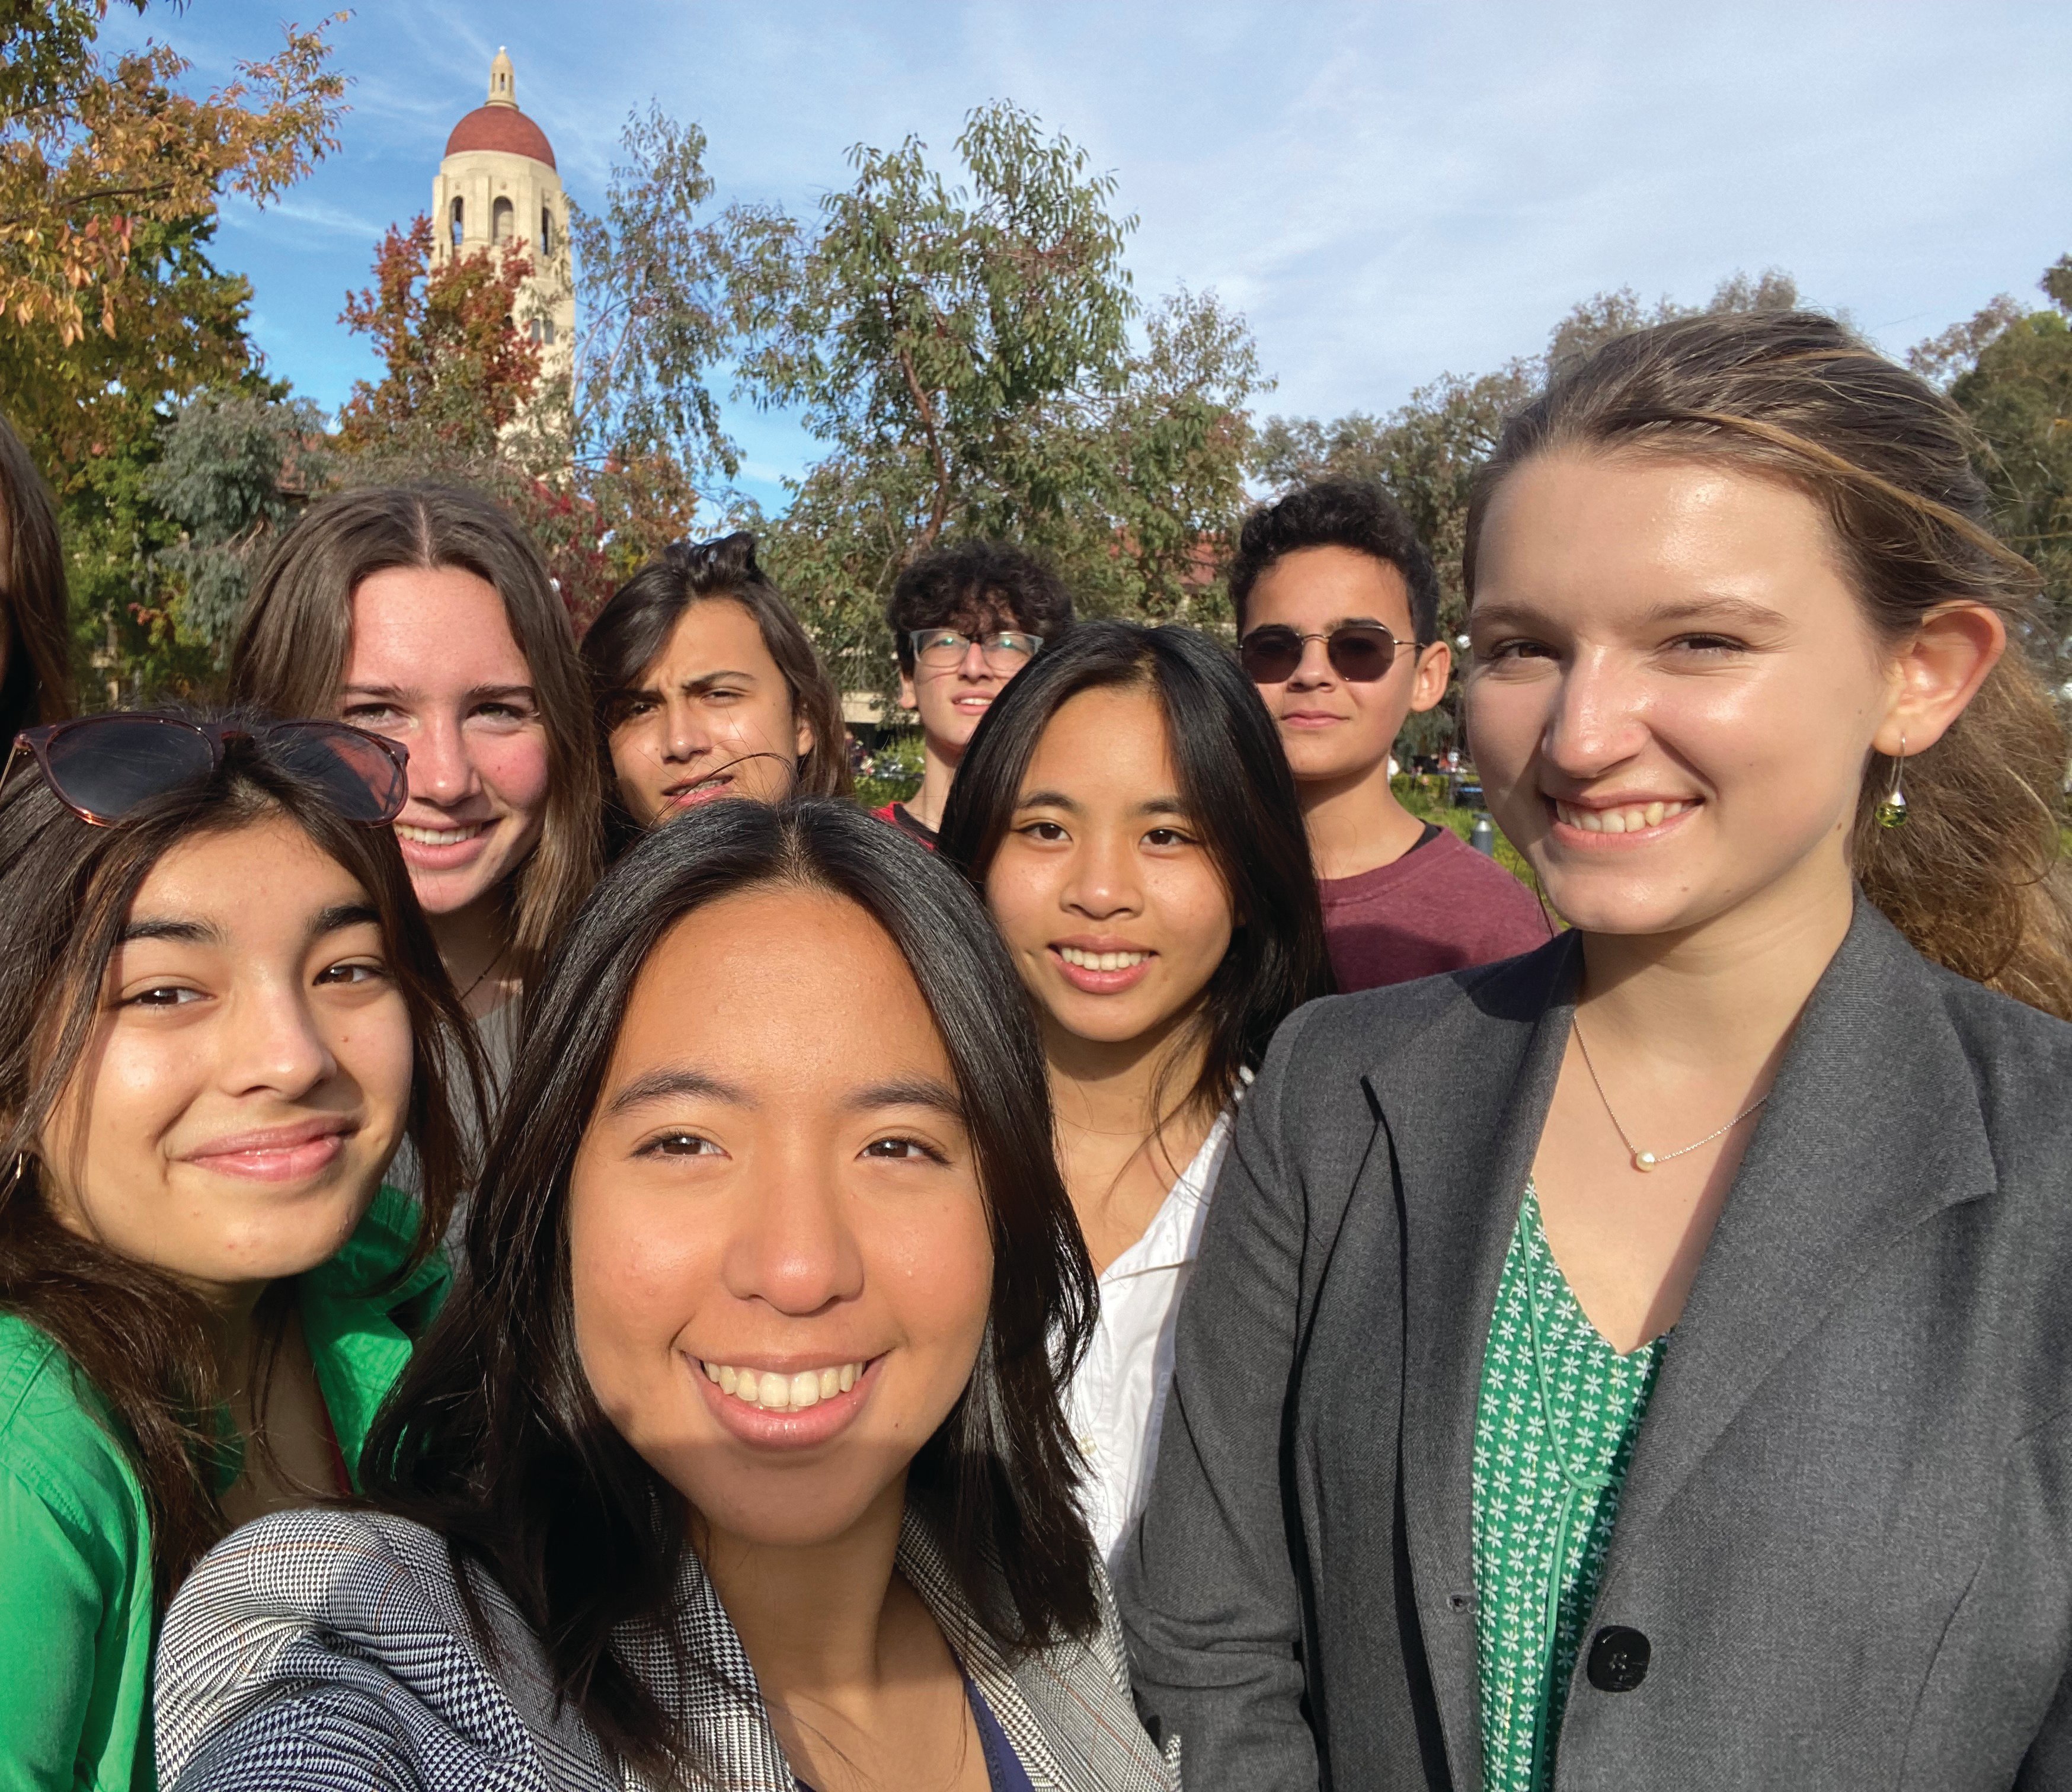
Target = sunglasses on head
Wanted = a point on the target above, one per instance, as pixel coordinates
(1359, 652)
(101, 767)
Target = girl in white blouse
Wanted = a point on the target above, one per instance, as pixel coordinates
(1127, 809)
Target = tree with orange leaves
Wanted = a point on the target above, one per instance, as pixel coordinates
(91, 148)
(457, 370)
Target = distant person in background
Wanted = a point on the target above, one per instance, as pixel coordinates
(35, 665)
(424, 613)
(706, 687)
(965, 618)
(1338, 618)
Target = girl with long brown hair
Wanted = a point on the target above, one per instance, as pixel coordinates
(221, 1013)
(425, 614)
(1643, 1361)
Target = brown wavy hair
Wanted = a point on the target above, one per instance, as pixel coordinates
(138, 1337)
(290, 654)
(1976, 878)
(33, 624)
(634, 626)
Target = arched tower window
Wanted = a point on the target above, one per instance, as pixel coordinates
(546, 232)
(500, 221)
(542, 331)
(456, 223)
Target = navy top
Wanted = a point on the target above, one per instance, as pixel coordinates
(1004, 1771)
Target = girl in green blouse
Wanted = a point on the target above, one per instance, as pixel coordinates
(220, 1013)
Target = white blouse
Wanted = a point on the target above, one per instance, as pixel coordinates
(1115, 1402)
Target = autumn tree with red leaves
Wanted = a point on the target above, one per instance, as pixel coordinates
(458, 370)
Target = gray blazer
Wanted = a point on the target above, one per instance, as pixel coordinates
(1846, 1532)
(329, 1650)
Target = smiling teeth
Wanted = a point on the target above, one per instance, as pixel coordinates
(775, 1392)
(1619, 821)
(1101, 961)
(439, 836)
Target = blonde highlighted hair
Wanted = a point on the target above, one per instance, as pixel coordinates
(1976, 878)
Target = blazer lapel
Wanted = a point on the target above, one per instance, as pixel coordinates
(1874, 1127)
(1064, 1708)
(1463, 1143)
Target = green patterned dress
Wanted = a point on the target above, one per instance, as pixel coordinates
(1555, 1427)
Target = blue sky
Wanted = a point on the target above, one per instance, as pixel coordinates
(1389, 191)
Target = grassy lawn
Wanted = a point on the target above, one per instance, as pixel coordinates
(1426, 798)
(897, 772)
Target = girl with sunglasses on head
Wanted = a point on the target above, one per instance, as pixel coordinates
(1644, 1363)
(1126, 810)
(737, 1458)
(35, 658)
(220, 1012)
(705, 687)
(424, 613)
(1337, 616)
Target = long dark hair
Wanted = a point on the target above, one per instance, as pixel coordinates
(1976, 878)
(140, 1337)
(494, 1439)
(1239, 794)
(634, 626)
(33, 625)
(292, 648)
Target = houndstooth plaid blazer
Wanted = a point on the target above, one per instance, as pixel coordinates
(328, 1651)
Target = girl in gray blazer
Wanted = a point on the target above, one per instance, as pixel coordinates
(1644, 1364)
(737, 1459)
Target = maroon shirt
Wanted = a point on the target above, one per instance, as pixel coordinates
(898, 816)
(1439, 907)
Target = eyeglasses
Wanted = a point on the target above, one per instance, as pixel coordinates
(1004, 649)
(1359, 652)
(102, 767)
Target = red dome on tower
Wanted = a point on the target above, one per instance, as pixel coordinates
(500, 126)
(503, 128)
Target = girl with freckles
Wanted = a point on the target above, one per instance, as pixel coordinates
(1644, 1363)
(737, 1459)
(221, 1013)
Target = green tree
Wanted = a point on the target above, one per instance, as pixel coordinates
(2010, 371)
(974, 359)
(234, 469)
(110, 173)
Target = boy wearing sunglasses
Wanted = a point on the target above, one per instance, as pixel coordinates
(965, 618)
(1338, 618)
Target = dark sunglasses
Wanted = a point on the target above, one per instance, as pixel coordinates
(1359, 652)
(101, 767)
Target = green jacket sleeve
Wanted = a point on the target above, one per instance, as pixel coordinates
(77, 1606)
(65, 1721)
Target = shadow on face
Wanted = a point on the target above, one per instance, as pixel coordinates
(779, 1254)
